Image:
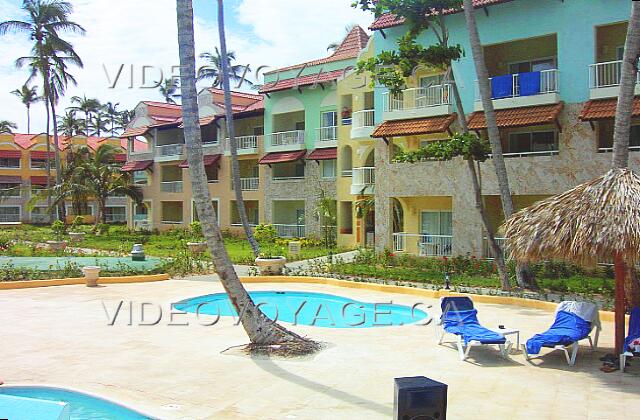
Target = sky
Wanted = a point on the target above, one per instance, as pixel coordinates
(141, 35)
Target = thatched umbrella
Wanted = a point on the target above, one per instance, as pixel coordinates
(595, 221)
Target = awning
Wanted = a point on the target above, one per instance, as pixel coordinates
(282, 157)
(324, 154)
(120, 157)
(208, 161)
(141, 165)
(519, 117)
(134, 132)
(10, 154)
(414, 127)
(9, 179)
(40, 181)
(605, 109)
(40, 155)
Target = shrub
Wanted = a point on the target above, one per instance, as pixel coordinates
(196, 230)
(59, 229)
(77, 222)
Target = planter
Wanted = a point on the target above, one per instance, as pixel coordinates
(197, 247)
(91, 275)
(76, 236)
(271, 266)
(57, 245)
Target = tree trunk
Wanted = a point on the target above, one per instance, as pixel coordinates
(56, 145)
(28, 120)
(48, 141)
(235, 166)
(628, 79)
(620, 274)
(633, 288)
(260, 329)
(524, 275)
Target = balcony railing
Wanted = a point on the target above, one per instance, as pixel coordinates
(290, 231)
(602, 75)
(10, 218)
(347, 173)
(426, 245)
(525, 154)
(548, 84)
(116, 218)
(610, 149)
(287, 138)
(417, 98)
(364, 118)
(327, 133)
(248, 184)
(171, 187)
(170, 150)
(244, 143)
(40, 218)
(364, 177)
(487, 252)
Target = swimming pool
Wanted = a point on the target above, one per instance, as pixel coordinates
(58, 263)
(313, 309)
(81, 406)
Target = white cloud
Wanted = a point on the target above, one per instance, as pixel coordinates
(143, 32)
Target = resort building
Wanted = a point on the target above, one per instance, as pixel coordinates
(23, 162)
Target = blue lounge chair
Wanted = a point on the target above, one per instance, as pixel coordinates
(634, 334)
(574, 322)
(460, 318)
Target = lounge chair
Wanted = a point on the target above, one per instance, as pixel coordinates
(634, 334)
(460, 318)
(574, 322)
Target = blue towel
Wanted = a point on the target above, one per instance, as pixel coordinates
(459, 303)
(465, 324)
(634, 327)
(502, 87)
(529, 83)
(567, 328)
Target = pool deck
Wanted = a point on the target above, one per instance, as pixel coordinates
(59, 336)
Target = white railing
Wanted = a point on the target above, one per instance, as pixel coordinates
(417, 98)
(116, 218)
(610, 149)
(244, 143)
(347, 173)
(548, 84)
(327, 133)
(40, 218)
(525, 154)
(171, 187)
(364, 177)
(426, 245)
(170, 150)
(290, 231)
(607, 74)
(364, 118)
(487, 252)
(10, 218)
(287, 138)
(248, 184)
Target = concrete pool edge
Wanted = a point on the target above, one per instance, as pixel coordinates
(32, 284)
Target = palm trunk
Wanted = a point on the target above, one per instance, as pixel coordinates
(628, 79)
(260, 329)
(28, 120)
(524, 275)
(235, 166)
(48, 141)
(56, 145)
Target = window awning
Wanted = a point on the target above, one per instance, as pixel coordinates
(9, 179)
(10, 154)
(414, 127)
(519, 117)
(40, 155)
(120, 157)
(324, 154)
(141, 165)
(40, 181)
(134, 132)
(605, 109)
(282, 157)
(208, 161)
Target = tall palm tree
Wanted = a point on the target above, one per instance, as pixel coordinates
(213, 69)
(98, 123)
(28, 96)
(112, 113)
(261, 330)
(7, 127)
(169, 90)
(68, 124)
(88, 107)
(523, 273)
(124, 118)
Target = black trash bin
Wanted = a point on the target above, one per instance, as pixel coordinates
(420, 398)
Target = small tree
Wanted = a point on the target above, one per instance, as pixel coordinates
(326, 211)
(266, 236)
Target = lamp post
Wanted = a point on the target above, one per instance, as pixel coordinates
(447, 281)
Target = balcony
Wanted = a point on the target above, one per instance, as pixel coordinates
(171, 187)
(363, 124)
(116, 218)
(290, 231)
(417, 103)
(169, 152)
(245, 145)
(522, 89)
(487, 252)
(604, 80)
(327, 137)
(425, 245)
(10, 217)
(363, 181)
(286, 140)
(248, 184)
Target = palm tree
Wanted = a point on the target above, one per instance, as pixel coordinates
(523, 273)
(88, 106)
(261, 330)
(7, 127)
(213, 69)
(112, 113)
(124, 118)
(98, 123)
(169, 90)
(28, 96)
(69, 125)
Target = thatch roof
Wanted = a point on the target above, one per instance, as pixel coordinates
(593, 221)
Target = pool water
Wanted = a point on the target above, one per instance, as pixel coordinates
(313, 309)
(82, 406)
(58, 263)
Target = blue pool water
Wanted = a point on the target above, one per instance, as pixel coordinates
(58, 263)
(82, 406)
(314, 309)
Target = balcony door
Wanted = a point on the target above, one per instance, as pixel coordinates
(439, 223)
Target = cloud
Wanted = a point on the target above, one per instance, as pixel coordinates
(143, 33)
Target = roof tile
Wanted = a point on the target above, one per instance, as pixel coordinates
(518, 117)
(605, 109)
(282, 157)
(302, 81)
(414, 127)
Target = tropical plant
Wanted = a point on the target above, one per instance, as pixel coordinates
(7, 127)
(124, 118)
(88, 107)
(112, 114)
(213, 70)
(196, 230)
(267, 236)
(58, 229)
(262, 331)
(69, 125)
(28, 96)
(169, 90)
(98, 123)
(327, 213)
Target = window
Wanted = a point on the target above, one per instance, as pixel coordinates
(172, 212)
(289, 170)
(533, 65)
(89, 211)
(605, 136)
(258, 131)
(537, 142)
(9, 214)
(212, 173)
(11, 190)
(300, 126)
(429, 81)
(140, 178)
(38, 163)
(328, 168)
(620, 53)
(13, 163)
(329, 119)
(346, 217)
(194, 212)
(116, 214)
(439, 223)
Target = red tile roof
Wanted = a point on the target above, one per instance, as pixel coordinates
(302, 81)
(519, 117)
(324, 154)
(389, 21)
(208, 161)
(217, 91)
(282, 157)
(25, 140)
(141, 165)
(414, 127)
(605, 109)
